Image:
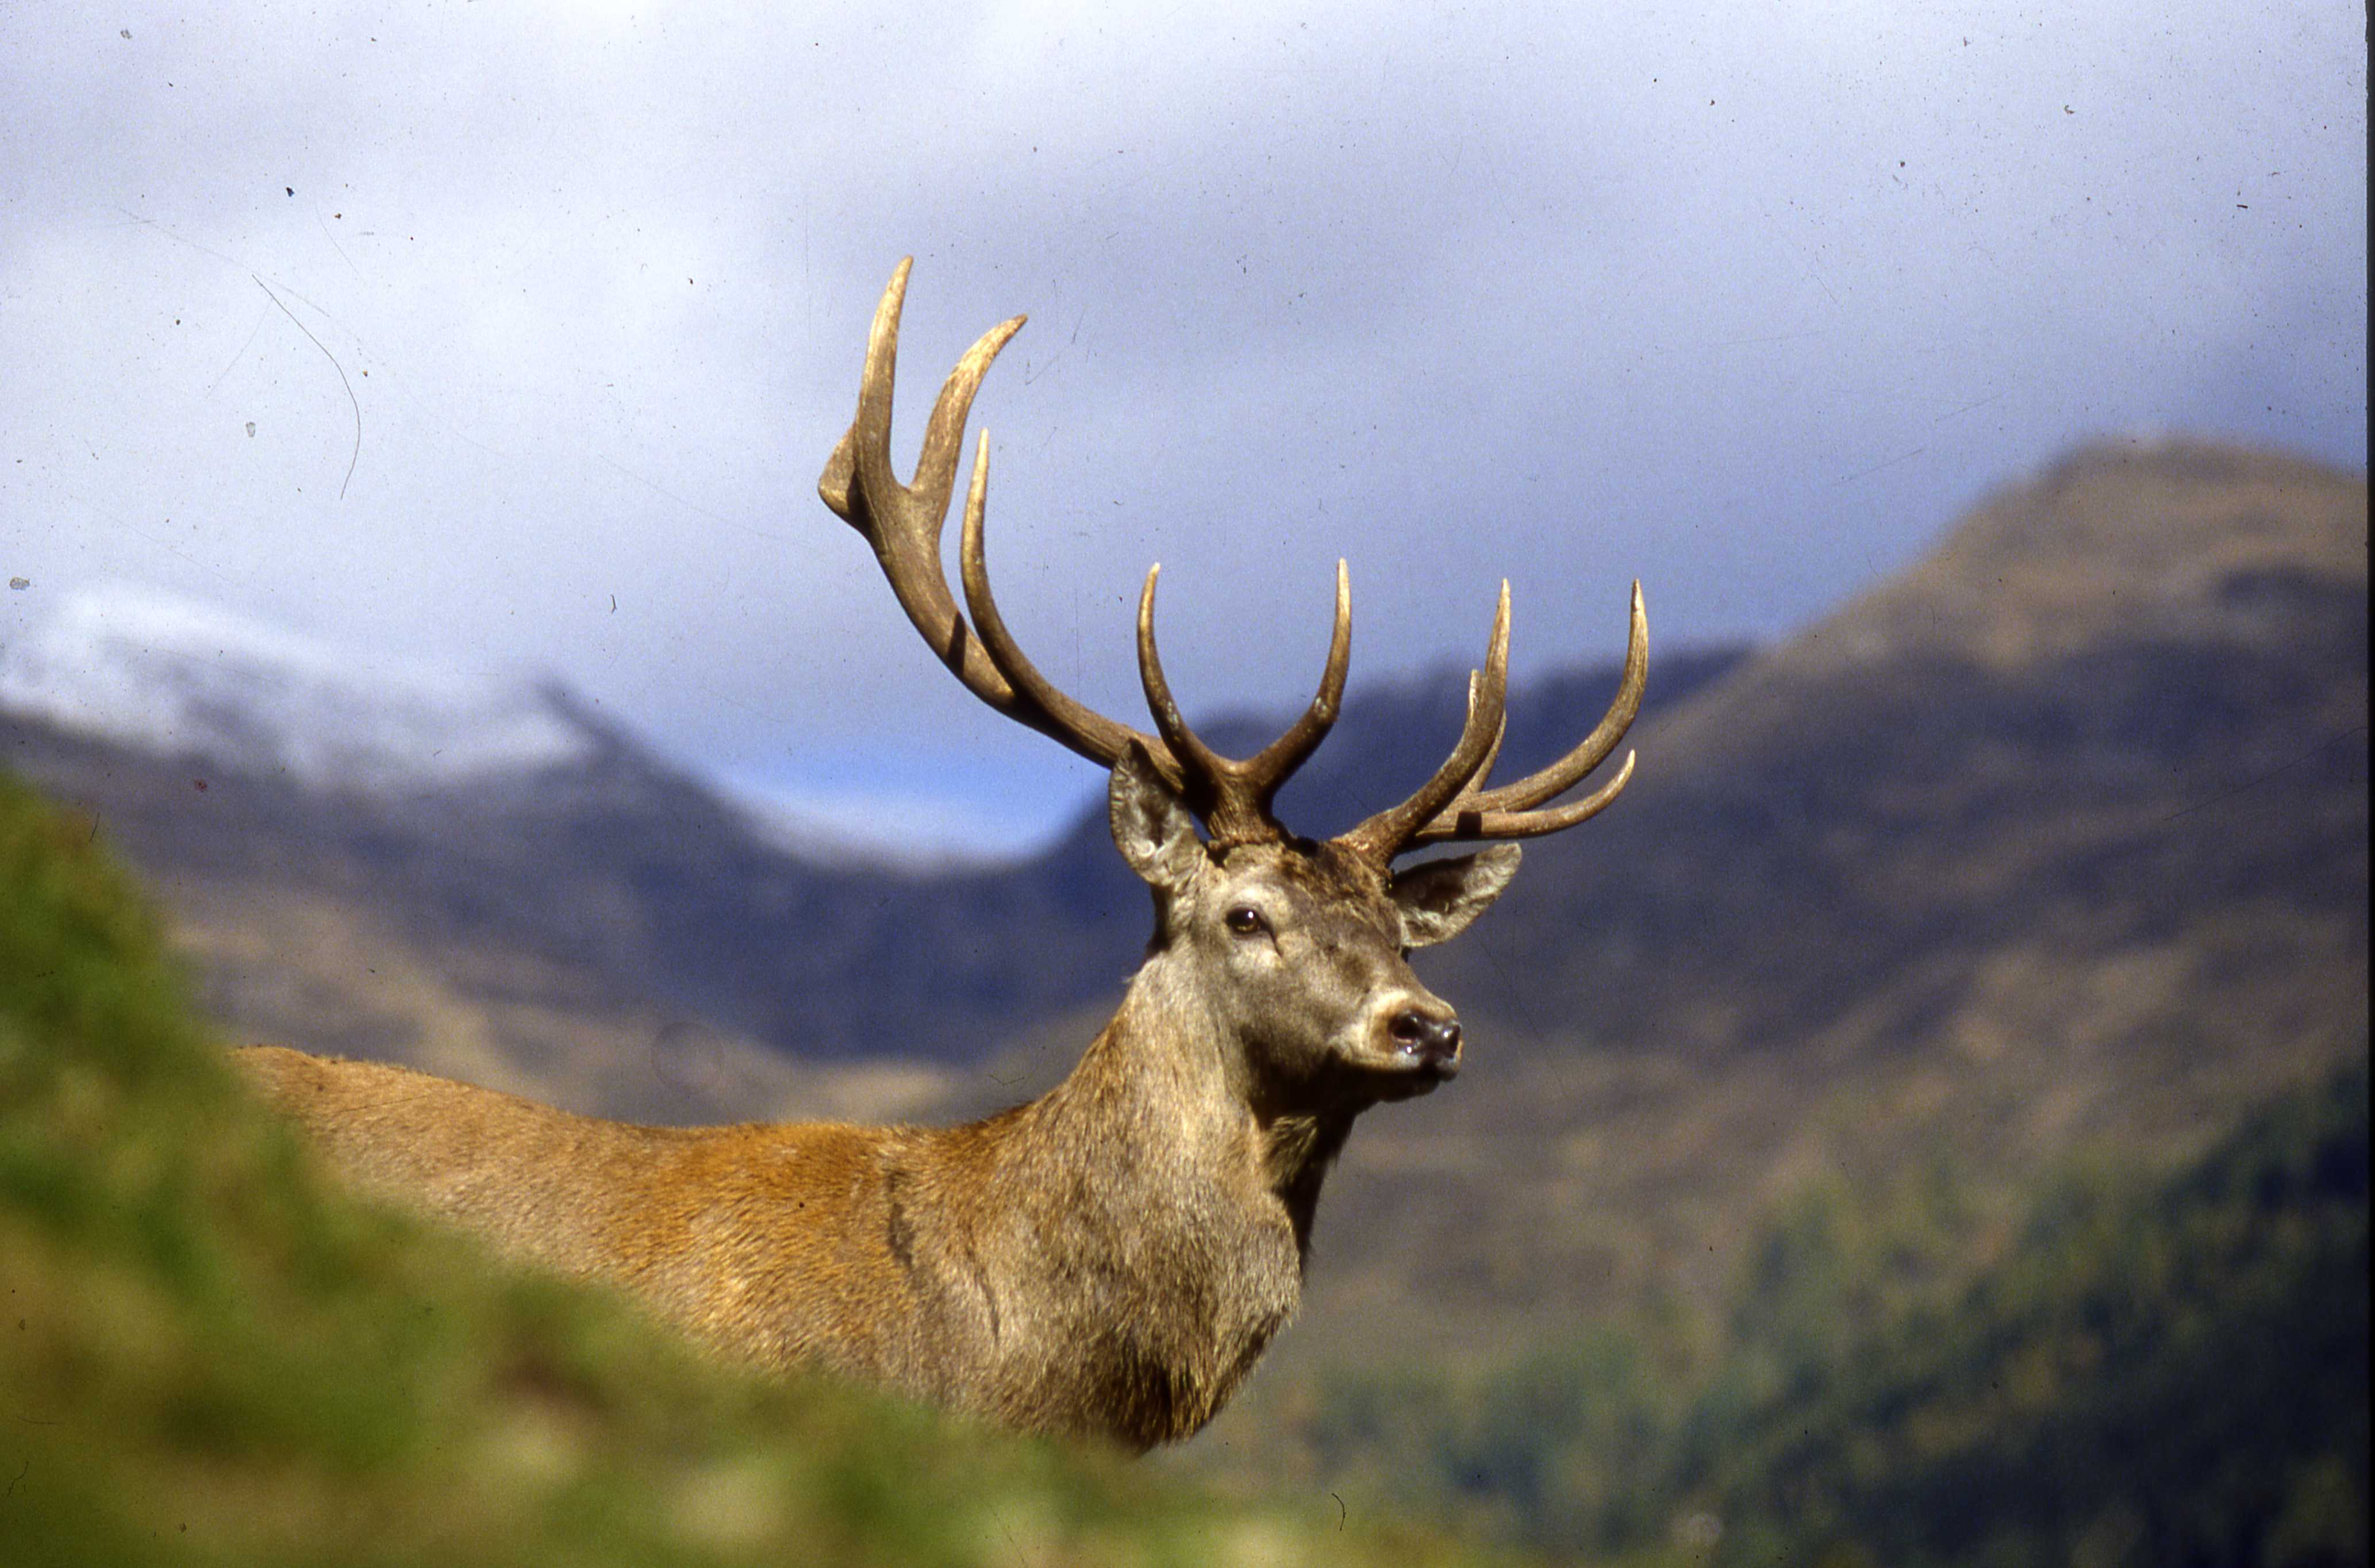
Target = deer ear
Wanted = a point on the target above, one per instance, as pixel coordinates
(1151, 828)
(1440, 898)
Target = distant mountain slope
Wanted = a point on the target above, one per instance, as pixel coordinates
(442, 860)
(2120, 701)
(2116, 718)
(2059, 837)
(539, 900)
(2141, 1367)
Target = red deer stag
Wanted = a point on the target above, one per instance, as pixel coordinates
(1112, 1257)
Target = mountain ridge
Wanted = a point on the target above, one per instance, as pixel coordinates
(605, 875)
(1858, 918)
(1806, 817)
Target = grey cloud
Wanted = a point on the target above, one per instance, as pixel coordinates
(1747, 303)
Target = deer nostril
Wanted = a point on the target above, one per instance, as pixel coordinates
(1433, 1040)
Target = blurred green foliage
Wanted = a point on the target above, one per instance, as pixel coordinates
(2150, 1372)
(207, 1355)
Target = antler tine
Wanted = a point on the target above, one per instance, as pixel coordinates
(1523, 795)
(1461, 824)
(1271, 766)
(1232, 796)
(1038, 701)
(1203, 766)
(1507, 811)
(904, 524)
(1390, 831)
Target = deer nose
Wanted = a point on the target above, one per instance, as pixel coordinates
(1433, 1039)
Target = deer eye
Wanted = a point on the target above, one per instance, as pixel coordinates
(1244, 920)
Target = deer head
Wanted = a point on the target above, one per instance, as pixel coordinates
(1293, 949)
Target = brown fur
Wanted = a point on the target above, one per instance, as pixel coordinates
(1110, 1258)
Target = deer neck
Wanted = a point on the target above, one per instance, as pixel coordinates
(1166, 1092)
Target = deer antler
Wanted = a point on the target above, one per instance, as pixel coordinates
(1453, 807)
(1233, 797)
(904, 524)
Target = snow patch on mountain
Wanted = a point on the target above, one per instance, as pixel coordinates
(884, 829)
(171, 675)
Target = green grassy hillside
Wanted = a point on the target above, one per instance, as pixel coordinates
(210, 1356)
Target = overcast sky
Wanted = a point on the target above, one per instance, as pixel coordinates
(516, 334)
